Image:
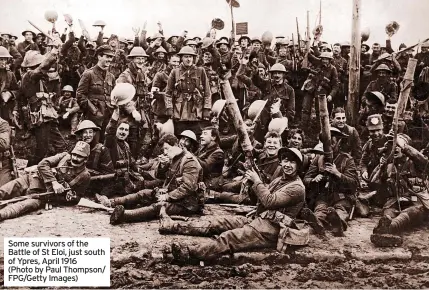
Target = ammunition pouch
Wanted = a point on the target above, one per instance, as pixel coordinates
(42, 109)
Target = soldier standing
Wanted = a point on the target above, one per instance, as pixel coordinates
(8, 88)
(191, 97)
(5, 162)
(95, 86)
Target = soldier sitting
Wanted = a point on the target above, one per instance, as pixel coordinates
(404, 192)
(331, 187)
(279, 203)
(180, 194)
(52, 174)
(68, 108)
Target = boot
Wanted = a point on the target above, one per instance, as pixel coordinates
(314, 222)
(180, 252)
(383, 226)
(337, 224)
(386, 240)
(167, 225)
(133, 199)
(121, 215)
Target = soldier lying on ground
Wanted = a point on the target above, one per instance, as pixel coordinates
(59, 174)
(279, 203)
(180, 193)
(404, 191)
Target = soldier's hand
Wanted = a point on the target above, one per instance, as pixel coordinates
(58, 188)
(329, 98)
(136, 30)
(15, 114)
(163, 159)
(163, 197)
(332, 169)
(136, 115)
(6, 95)
(66, 115)
(185, 33)
(253, 176)
(365, 175)
(318, 178)
(275, 107)
(144, 25)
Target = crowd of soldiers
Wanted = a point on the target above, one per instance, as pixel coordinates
(154, 139)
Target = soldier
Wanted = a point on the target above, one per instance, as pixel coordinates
(9, 89)
(339, 121)
(7, 42)
(70, 176)
(38, 100)
(189, 86)
(387, 116)
(28, 43)
(332, 186)
(118, 64)
(370, 152)
(341, 65)
(376, 52)
(99, 161)
(406, 200)
(188, 141)
(373, 103)
(135, 75)
(279, 203)
(180, 195)
(323, 80)
(5, 145)
(244, 42)
(383, 83)
(68, 108)
(95, 86)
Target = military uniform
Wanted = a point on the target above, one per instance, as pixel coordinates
(279, 204)
(191, 98)
(6, 164)
(9, 84)
(181, 179)
(69, 105)
(341, 65)
(93, 96)
(353, 142)
(387, 87)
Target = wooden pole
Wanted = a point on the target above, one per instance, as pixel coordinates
(320, 12)
(232, 20)
(325, 128)
(354, 67)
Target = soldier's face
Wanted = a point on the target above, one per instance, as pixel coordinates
(206, 137)
(123, 131)
(363, 48)
(256, 46)
(272, 146)
(174, 61)
(289, 166)
(382, 73)
(171, 151)
(130, 46)
(390, 109)
(3, 62)
(244, 43)
(250, 128)
(376, 49)
(160, 55)
(187, 60)
(77, 160)
(88, 135)
(28, 36)
(336, 49)
(173, 40)
(425, 49)
(113, 43)
(261, 72)
(277, 76)
(5, 36)
(326, 61)
(282, 51)
(339, 120)
(139, 61)
(295, 141)
(375, 134)
(223, 48)
(207, 58)
(185, 143)
(104, 61)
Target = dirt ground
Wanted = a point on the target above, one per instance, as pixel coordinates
(136, 262)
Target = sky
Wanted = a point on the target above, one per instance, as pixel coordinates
(276, 16)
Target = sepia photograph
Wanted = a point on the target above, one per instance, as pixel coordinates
(214, 144)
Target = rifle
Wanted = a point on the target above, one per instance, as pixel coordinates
(299, 37)
(294, 64)
(307, 45)
(70, 195)
(15, 172)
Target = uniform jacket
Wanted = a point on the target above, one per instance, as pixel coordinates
(77, 178)
(8, 83)
(4, 136)
(25, 46)
(93, 93)
(269, 165)
(182, 178)
(389, 89)
(160, 81)
(99, 159)
(353, 142)
(323, 77)
(212, 160)
(190, 91)
(119, 150)
(370, 155)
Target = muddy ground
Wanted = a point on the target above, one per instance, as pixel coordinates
(349, 262)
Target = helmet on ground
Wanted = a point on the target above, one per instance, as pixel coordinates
(137, 51)
(122, 93)
(191, 135)
(86, 124)
(68, 88)
(4, 53)
(32, 58)
(255, 109)
(278, 67)
(278, 125)
(187, 50)
(82, 149)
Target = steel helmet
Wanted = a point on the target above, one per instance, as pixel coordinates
(100, 23)
(326, 55)
(137, 51)
(207, 41)
(278, 125)
(293, 152)
(383, 67)
(169, 39)
(278, 67)
(160, 49)
(32, 58)
(86, 124)
(255, 109)
(256, 39)
(68, 88)
(425, 44)
(51, 16)
(191, 42)
(124, 92)
(218, 107)
(283, 41)
(191, 135)
(376, 96)
(4, 53)
(187, 50)
(157, 35)
(267, 37)
(345, 43)
(123, 40)
(82, 149)
(222, 41)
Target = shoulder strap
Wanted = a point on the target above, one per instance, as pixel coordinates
(78, 178)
